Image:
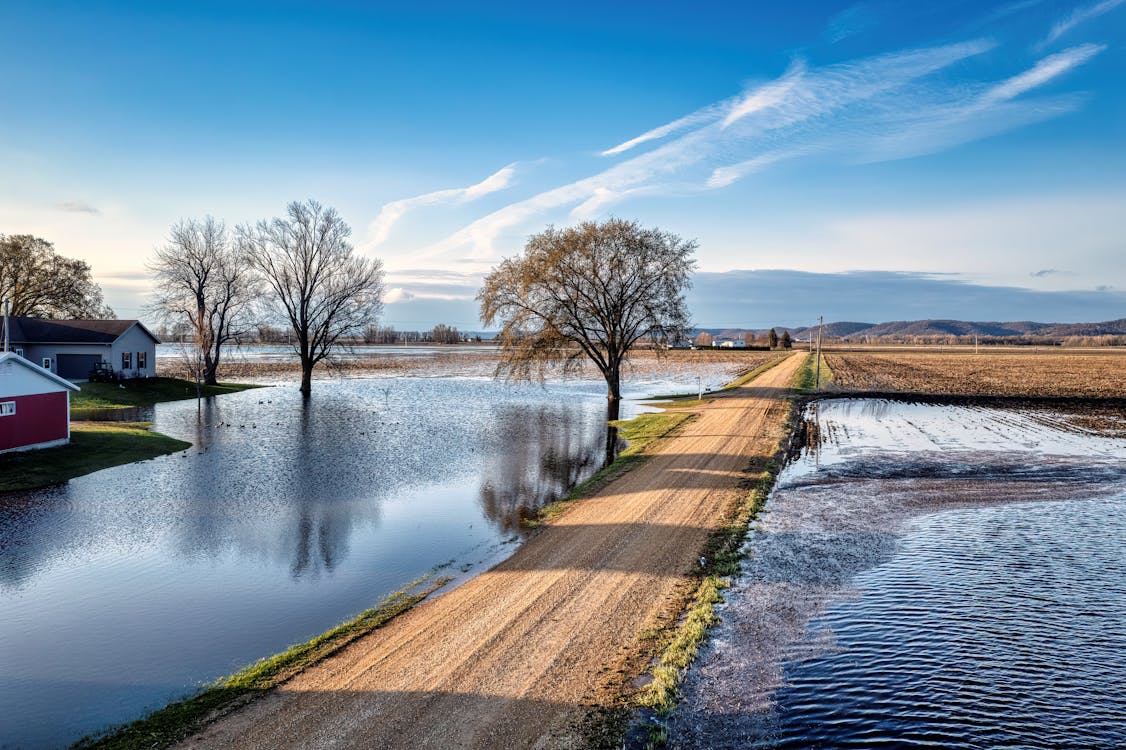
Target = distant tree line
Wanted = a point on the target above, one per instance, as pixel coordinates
(765, 340)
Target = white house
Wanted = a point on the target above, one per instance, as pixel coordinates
(73, 348)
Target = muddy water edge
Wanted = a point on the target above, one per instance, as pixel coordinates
(936, 574)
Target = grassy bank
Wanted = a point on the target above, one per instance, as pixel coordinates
(145, 392)
(93, 446)
(639, 432)
(180, 719)
(807, 375)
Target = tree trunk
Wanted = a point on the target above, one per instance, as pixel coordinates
(612, 411)
(211, 372)
(306, 376)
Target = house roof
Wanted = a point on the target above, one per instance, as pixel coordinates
(42, 331)
(12, 357)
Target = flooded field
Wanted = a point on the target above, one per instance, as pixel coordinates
(938, 576)
(129, 587)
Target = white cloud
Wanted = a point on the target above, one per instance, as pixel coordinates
(380, 227)
(699, 117)
(891, 106)
(397, 294)
(849, 22)
(1080, 15)
(765, 97)
(1044, 71)
(78, 207)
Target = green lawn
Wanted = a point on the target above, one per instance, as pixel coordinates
(93, 446)
(145, 392)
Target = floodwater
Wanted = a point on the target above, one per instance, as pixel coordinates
(127, 588)
(928, 576)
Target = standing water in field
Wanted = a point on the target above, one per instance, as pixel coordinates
(132, 586)
(941, 576)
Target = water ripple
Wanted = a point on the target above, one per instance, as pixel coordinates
(967, 597)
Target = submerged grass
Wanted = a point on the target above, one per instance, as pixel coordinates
(639, 432)
(145, 392)
(93, 446)
(180, 719)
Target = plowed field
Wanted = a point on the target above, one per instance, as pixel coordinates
(988, 373)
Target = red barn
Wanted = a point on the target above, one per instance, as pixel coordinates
(34, 405)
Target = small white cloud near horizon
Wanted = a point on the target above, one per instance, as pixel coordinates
(78, 207)
(397, 294)
(1078, 16)
(380, 228)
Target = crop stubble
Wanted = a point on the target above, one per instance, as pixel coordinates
(1090, 374)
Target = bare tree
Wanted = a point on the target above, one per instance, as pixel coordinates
(444, 334)
(588, 292)
(324, 291)
(201, 279)
(40, 283)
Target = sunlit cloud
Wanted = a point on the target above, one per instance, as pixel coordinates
(380, 228)
(891, 106)
(1041, 73)
(1080, 15)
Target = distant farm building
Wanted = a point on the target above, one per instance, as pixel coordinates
(73, 349)
(34, 405)
(730, 343)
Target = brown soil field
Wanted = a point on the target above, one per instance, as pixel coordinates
(457, 361)
(1090, 373)
(519, 656)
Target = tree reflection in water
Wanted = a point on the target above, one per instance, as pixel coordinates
(549, 451)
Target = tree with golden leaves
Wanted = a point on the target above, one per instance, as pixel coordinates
(588, 292)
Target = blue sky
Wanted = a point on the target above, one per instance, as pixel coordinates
(977, 145)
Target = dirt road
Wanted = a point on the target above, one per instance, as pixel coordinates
(514, 657)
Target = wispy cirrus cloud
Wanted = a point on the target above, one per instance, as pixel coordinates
(1078, 16)
(890, 106)
(1043, 71)
(380, 228)
(851, 21)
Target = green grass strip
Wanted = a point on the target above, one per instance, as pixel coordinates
(181, 719)
(145, 392)
(93, 446)
(806, 377)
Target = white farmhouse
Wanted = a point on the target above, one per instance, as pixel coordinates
(72, 349)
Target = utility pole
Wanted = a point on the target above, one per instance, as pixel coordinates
(5, 326)
(817, 379)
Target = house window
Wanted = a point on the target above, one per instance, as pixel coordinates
(142, 360)
(7, 408)
(127, 360)
(46, 363)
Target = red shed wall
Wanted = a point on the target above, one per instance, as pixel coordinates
(39, 418)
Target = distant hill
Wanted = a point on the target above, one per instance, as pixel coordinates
(945, 330)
